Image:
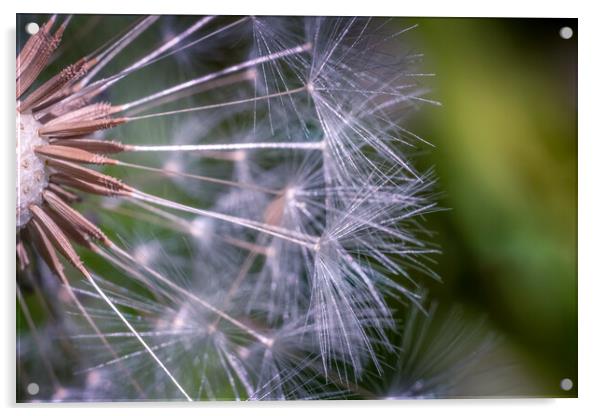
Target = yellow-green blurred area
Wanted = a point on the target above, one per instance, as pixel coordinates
(506, 158)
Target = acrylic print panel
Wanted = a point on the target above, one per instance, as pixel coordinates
(280, 208)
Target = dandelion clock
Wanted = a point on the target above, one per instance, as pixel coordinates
(294, 208)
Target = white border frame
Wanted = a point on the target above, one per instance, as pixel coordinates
(590, 207)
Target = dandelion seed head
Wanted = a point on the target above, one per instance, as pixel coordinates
(146, 253)
(173, 166)
(32, 174)
(272, 201)
(202, 229)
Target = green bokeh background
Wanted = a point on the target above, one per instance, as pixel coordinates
(506, 158)
(505, 153)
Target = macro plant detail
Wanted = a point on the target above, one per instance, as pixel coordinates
(274, 216)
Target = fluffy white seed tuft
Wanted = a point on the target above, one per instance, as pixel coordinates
(31, 175)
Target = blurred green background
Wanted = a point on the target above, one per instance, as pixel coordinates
(506, 158)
